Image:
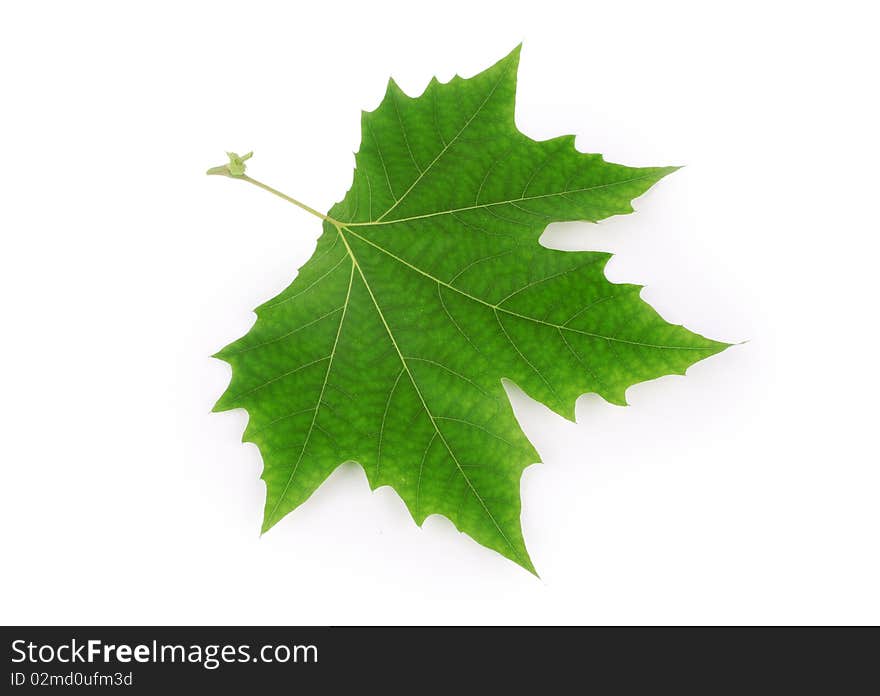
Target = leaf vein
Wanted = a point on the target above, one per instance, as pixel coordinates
(302, 452)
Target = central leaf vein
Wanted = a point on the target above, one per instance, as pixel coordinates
(421, 397)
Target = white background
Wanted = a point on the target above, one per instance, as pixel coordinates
(744, 492)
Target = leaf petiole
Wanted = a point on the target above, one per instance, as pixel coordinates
(235, 169)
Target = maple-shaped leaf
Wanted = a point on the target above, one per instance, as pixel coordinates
(427, 287)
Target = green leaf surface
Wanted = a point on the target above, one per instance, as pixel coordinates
(427, 287)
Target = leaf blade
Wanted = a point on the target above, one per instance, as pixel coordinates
(427, 288)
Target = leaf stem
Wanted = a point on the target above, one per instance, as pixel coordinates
(287, 198)
(235, 169)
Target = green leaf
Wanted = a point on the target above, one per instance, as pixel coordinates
(427, 287)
